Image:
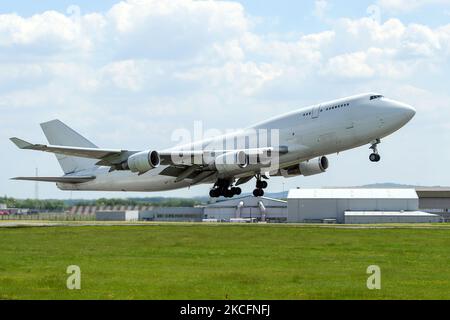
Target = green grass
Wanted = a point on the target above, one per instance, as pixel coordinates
(223, 262)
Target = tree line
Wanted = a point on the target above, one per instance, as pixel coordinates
(53, 205)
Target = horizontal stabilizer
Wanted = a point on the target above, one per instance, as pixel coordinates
(78, 179)
(21, 144)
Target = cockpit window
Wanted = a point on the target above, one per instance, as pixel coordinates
(376, 97)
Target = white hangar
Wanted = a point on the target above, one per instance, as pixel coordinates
(111, 215)
(319, 205)
(248, 207)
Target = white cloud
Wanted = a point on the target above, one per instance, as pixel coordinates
(123, 74)
(353, 65)
(320, 8)
(409, 5)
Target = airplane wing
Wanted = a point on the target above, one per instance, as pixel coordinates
(180, 163)
(116, 156)
(186, 157)
(77, 179)
(113, 156)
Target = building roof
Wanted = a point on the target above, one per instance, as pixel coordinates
(433, 192)
(389, 214)
(352, 194)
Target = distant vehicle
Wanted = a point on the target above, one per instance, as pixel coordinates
(4, 213)
(304, 138)
(211, 220)
(241, 220)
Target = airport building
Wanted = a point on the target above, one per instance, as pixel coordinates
(356, 206)
(424, 205)
(180, 214)
(356, 217)
(248, 207)
(109, 215)
(435, 200)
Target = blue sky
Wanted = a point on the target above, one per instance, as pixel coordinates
(127, 75)
(284, 15)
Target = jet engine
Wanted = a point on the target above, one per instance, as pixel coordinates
(143, 161)
(308, 168)
(231, 161)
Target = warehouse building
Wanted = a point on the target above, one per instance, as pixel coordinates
(325, 205)
(248, 207)
(109, 215)
(179, 214)
(355, 217)
(307, 206)
(435, 200)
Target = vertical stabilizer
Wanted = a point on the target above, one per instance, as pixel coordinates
(59, 134)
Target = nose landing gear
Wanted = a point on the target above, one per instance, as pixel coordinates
(375, 157)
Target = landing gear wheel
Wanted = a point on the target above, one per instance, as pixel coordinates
(374, 157)
(261, 184)
(228, 193)
(236, 191)
(215, 193)
(258, 192)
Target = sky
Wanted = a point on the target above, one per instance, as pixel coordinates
(129, 74)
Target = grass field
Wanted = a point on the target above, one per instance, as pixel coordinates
(196, 261)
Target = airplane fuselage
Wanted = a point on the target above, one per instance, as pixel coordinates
(307, 133)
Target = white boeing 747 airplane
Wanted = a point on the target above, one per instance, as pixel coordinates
(298, 144)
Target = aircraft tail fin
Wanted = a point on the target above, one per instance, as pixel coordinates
(60, 134)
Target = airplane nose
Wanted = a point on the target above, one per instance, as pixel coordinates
(407, 111)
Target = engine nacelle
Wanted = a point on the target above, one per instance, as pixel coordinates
(314, 166)
(143, 161)
(308, 168)
(231, 161)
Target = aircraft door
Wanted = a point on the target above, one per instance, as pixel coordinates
(315, 112)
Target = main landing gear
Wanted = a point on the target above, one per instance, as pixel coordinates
(260, 185)
(375, 157)
(224, 188)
